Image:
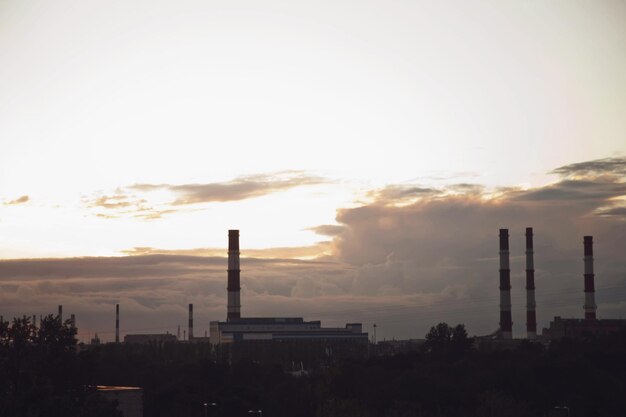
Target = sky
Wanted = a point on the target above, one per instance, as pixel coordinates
(368, 151)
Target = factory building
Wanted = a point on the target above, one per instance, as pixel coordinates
(237, 328)
(149, 338)
(581, 328)
(283, 328)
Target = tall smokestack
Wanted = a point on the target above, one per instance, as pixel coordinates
(506, 326)
(34, 320)
(117, 323)
(590, 295)
(531, 317)
(190, 321)
(73, 321)
(234, 301)
(60, 315)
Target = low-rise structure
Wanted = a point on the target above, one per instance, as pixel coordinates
(579, 328)
(149, 338)
(129, 399)
(281, 328)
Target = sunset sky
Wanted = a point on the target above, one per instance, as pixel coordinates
(368, 151)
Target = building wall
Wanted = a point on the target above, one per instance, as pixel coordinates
(578, 328)
(147, 338)
(280, 329)
(129, 399)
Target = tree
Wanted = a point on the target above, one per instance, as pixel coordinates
(41, 372)
(445, 339)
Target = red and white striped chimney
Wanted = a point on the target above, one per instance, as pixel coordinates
(234, 301)
(590, 295)
(506, 325)
(117, 323)
(531, 317)
(190, 321)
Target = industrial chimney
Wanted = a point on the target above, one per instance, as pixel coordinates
(531, 317)
(190, 321)
(590, 296)
(234, 301)
(60, 315)
(506, 326)
(117, 323)
(73, 321)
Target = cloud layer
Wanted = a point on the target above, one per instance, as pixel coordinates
(411, 257)
(138, 200)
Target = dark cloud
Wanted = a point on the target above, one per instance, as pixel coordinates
(154, 290)
(618, 212)
(21, 200)
(399, 193)
(125, 202)
(593, 191)
(327, 229)
(610, 166)
(238, 189)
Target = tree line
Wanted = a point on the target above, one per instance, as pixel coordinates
(45, 373)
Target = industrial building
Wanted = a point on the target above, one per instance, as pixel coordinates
(581, 328)
(237, 328)
(150, 338)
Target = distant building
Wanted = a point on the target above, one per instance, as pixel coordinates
(579, 328)
(148, 338)
(281, 328)
(129, 399)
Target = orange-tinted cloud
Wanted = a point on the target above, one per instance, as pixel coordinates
(238, 189)
(135, 201)
(21, 200)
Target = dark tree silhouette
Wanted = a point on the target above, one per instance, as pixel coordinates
(443, 339)
(42, 372)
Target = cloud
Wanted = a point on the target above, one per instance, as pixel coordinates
(139, 201)
(617, 212)
(327, 229)
(592, 191)
(153, 290)
(123, 204)
(238, 189)
(605, 166)
(294, 252)
(21, 200)
(400, 193)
